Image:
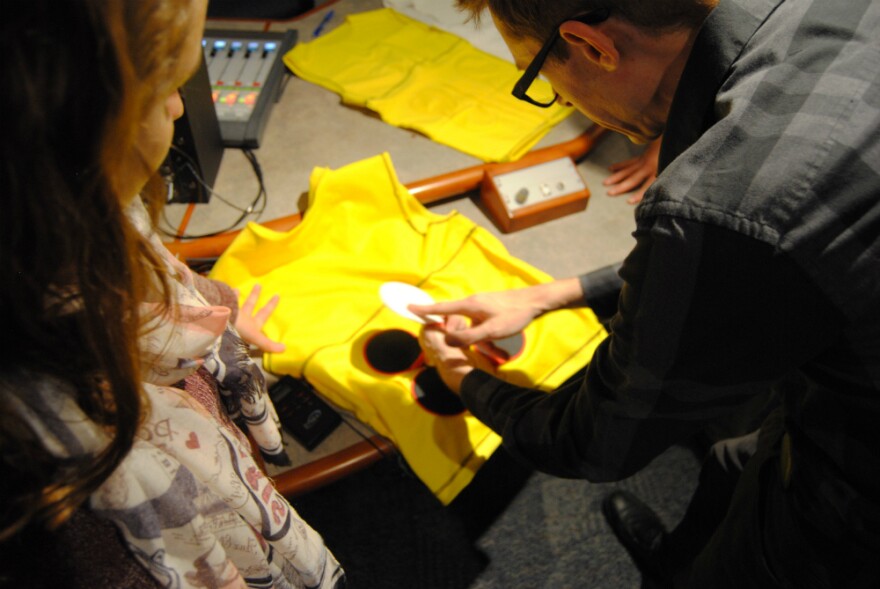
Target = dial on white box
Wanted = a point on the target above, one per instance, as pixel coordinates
(520, 198)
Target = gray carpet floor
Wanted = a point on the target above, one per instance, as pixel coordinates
(553, 534)
(510, 529)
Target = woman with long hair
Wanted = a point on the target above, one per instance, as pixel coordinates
(123, 389)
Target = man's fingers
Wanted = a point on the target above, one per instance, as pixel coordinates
(618, 166)
(444, 308)
(637, 197)
(456, 323)
(465, 337)
(428, 338)
(616, 178)
(624, 187)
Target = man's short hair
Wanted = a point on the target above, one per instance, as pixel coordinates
(539, 18)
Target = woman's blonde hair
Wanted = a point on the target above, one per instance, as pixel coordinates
(80, 76)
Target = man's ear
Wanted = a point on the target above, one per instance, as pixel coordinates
(592, 43)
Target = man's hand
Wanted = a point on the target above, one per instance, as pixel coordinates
(634, 175)
(250, 324)
(496, 315)
(452, 363)
(493, 315)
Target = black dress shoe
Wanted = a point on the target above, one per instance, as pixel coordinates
(639, 530)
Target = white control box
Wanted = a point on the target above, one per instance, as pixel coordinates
(524, 197)
(539, 183)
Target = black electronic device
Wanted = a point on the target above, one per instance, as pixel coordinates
(197, 148)
(306, 416)
(246, 72)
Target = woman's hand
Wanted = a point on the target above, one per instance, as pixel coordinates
(249, 324)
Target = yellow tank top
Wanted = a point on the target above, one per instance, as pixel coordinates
(363, 228)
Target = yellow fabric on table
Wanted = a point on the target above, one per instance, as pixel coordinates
(361, 229)
(419, 77)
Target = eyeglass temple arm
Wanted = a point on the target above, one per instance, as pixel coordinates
(532, 71)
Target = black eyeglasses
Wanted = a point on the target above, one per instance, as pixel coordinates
(520, 90)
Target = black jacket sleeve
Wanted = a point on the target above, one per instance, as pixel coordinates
(706, 319)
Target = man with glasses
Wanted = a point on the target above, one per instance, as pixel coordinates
(756, 267)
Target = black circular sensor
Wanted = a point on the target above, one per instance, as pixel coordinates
(433, 395)
(392, 351)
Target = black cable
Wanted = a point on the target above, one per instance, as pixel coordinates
(366, 438)
(401, 462)
(260, 200)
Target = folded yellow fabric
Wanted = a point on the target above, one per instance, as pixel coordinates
(361, 229)
(419, 77)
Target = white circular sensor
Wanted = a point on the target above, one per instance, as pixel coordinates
(397, 295)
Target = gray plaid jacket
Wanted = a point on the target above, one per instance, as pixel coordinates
(756, 267)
